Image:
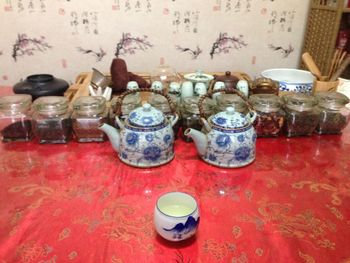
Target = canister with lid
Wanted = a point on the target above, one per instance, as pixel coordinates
(89, 113)
(190, 114)
(301, 115)
(270, 115)
(334, 116)
(15, 118)
(51, 119)
(231, 100)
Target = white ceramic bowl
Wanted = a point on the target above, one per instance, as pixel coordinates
(294, 80)
(176, 216)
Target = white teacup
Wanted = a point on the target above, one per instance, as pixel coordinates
(157, 85)
(174, 88)
(200, 89)
(187, 89)
(132, 85)
(218, 85)
(243, 87)
(176, 216)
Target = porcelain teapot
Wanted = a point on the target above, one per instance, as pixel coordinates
(146, 137)
(230, 139)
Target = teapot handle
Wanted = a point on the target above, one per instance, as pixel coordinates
(118, 108)
(226, 91)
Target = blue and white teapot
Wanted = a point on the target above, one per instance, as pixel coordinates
(230, 139)
(146, 137)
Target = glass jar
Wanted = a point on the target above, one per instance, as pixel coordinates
(161, 103)
(130, 102)
(270, 116)
(15, 118)
(89, 113)
(231, 100)
(301, 115)
(334, 116)
(51, 119)
(190, 114)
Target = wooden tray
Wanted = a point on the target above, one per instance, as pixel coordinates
(81, 85)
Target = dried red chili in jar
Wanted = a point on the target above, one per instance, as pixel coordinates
(270, 116)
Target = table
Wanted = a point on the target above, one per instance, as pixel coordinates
(78, 203)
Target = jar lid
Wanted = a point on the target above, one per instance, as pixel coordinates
(146, 116)
(300, 101)
(89, 105)
(191, 104)
(331, 100)
(15, 103)
(229, 119)
(51, 105)
(265, 102)
(227, 100)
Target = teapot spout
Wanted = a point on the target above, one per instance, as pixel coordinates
(113, 135)
(199, 138)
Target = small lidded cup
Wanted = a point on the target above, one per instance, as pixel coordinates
(176, 216)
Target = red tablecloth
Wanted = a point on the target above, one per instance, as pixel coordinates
(79, 203)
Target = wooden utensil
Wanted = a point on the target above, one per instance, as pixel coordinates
(341, 69)
(340, 60)
(311, 65)
(333, 63)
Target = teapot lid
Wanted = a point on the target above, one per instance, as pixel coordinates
(228, 77)
(146, 116)
(230, 119)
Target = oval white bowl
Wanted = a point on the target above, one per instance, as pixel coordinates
(294, 80)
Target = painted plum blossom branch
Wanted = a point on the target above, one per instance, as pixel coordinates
(129, 44)
(193, 52)
(224, 43)
(285, 51)
(97, 54)
(28, 46)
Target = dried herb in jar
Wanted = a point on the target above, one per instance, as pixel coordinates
(15, 118)
(334, 116)
(51, 119)
(18, 131)
(270, 116)
(89, 113)
(301, 115)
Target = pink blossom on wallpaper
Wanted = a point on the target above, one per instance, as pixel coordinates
(129, 44)
(26, 46)
(224, 43)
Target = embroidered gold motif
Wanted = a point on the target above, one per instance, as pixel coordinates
(259, 252)
(236, 231)
(335, 212)
(219, 251)
(72, 255)
(306, 258)
(65, 233)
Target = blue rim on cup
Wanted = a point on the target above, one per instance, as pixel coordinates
(176, 216)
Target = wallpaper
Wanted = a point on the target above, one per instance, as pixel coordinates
(66, 37)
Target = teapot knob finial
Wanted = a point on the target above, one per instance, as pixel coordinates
(146, 107)
(230, 110)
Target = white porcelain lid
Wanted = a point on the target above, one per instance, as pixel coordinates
(229, 119)
(146, 116)
(199, 76)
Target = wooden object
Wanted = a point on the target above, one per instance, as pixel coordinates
(340, 69)
(311, 65)
(81, 85)
(322, 31)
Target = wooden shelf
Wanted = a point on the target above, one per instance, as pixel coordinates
(346, 10)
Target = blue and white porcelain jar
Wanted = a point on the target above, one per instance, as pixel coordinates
(231, 138)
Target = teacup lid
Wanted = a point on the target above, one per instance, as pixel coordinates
(230, 119)
(199, 76)
(146, 116)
